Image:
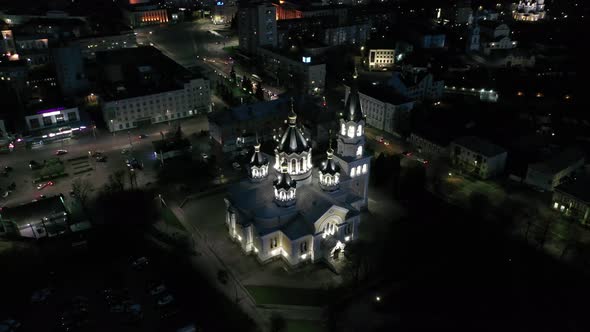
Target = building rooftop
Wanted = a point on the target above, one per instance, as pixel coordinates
(34, 211)
(479, 145)
(435, 134)
(579, 188)
(382, 92)
(133, 72)
(277, 107)
(559, 162)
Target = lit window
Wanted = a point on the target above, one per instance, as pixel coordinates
(351, 131)
(555, 205)
(359, 151)
(343, 129)
(359, 130)
(353, 172)
(365, 169)
(358, 170)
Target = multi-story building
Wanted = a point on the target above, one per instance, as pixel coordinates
(383, 108)
(380, 59)
(298, 70)
(52, 118)
(416, 84)
(432, 143)
(495, 36)
(479, 157)
(237, 128)
(353, 33)
(573, 200)
(7, 43)
(91, 45)
(551, 173)
(257, 26)
(142, 14)
(34, 49)
(143, 86)
(70, 70)
(426, 36)
(45, 217)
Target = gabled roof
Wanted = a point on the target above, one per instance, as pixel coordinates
(579, 189)
(293, 140)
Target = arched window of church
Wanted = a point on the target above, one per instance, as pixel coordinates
(353, 172)
(293, 165)
(343, 129)
(359, 130)
(365, 169)
(302, 165)
(351, 131)
(359, 151)
(358, 170)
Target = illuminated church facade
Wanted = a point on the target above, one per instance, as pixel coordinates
(288, 209)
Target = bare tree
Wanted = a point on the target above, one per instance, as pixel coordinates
(116, 181)
(81, 189)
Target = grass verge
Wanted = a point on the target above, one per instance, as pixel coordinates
(289, 296)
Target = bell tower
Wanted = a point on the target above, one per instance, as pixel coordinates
(351, 156)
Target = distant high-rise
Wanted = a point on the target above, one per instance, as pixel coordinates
(69, 68)
(257, 26)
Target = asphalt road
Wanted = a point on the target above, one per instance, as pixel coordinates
(111, 145)
(198, 44)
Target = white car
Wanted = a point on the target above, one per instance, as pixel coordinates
(204, 155)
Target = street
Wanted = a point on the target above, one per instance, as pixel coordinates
(110, 145)
(204, 48)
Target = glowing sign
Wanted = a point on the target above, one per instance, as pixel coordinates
(51, 110)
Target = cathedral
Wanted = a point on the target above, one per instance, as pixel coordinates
(529, 10)
(288, 209)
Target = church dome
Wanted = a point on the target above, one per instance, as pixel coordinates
(329, 166)
(258, 159)
(352, 109)
(293, 140)
(284, 188)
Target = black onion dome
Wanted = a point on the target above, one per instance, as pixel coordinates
(284, 180)
(352, 109)
(330, 166)
(258, 159)
(293, 140)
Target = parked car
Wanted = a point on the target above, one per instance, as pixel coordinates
(41, 295)
(7, 168)
(34, 165)
(60, 152)
(101, 158)
(142, 136)
(204, 155)
(124, 151)
(6, 193)
(43, 185)
(159, 289)
(165, 300)
(134, 164)
(236, 165)
(140, 263)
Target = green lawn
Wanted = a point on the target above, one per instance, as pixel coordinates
(289, 296)
(171, 219)
(304, 326)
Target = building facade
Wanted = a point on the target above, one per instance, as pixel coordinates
(257, 26)
(274, 216)
(476, 156)
(380, 59)
(304, 72)
(144, 14)
(126, 113)
(417, 84)
(551, 173)
(45, 217)
(383, 109)
(52, 118)
(428, 146)
(572, 199)
(70, 70)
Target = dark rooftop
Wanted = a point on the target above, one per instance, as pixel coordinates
(579, 188)
(559, 162)
(131, 72)
(34, 211)
(479, 145)
(382, 92)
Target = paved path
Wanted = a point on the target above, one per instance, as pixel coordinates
(209, 263)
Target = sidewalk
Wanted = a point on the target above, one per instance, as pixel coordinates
(209, 264)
